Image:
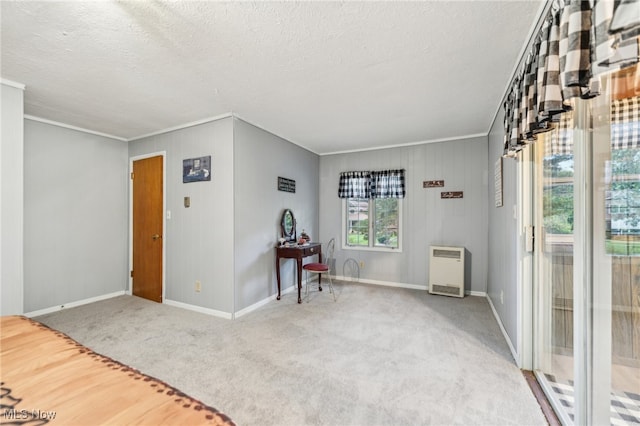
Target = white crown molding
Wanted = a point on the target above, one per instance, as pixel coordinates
(239, 117)
(454, 138)
(182, 126)
(12, 83)
(68, 126)
(537, 24)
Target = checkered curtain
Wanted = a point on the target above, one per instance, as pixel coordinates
(365, 184)
(616, 28)
(387, 184)
(625, 123)
(561, 138)
(577, 41)
(355, 185)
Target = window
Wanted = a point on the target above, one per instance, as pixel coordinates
(372, 223)
(372, 203)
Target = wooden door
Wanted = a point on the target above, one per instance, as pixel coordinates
(147, 228)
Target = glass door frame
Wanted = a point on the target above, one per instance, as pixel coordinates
(541, 294)
(592, 304)
(582, 268)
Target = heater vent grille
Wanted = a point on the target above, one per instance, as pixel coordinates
(445, 289)
(446, 271)
(448, 254)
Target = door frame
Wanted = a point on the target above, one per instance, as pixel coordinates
(525, 269)
(162, 154)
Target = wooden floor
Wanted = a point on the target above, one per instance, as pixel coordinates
(48, 376)
(541, 397)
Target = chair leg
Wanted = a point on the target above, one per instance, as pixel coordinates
(331, 290)
(331, 287)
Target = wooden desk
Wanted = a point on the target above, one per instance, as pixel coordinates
(298, 253)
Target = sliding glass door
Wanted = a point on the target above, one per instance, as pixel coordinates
(587, 273)
(554, 206)
(616, 248)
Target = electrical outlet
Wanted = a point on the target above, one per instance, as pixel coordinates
(362, 264)
(198, 286)
(502, 297)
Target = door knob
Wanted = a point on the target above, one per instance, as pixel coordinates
(155, 237)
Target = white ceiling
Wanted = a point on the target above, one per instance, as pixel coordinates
(329, 76)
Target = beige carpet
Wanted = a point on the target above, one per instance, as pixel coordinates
(377, 356)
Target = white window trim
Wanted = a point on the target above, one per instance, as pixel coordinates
(376, 249)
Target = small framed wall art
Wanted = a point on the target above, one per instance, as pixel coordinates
(286, 185)
(196, 169)
(433, 184)
(451, 194)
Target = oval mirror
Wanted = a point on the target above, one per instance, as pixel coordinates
(288, 226)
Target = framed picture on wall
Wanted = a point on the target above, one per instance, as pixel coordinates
(196, 169)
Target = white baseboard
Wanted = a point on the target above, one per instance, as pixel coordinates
(264, 301)
(213, 312)
(383, 283)
(404, 285)
(73, 304)
(514, 353)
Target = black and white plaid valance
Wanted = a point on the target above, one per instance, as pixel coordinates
(387, 184)
(377, 184)
(577, 41)
(355, 185)
(625, 123)
(561, 138)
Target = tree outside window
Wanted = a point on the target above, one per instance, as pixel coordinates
(377, 217)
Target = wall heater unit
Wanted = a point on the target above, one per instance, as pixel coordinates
(446, 271)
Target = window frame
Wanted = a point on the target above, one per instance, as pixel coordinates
(371, 246)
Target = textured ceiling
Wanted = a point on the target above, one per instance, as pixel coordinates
(329, 76)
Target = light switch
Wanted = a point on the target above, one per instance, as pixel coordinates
(168, 214)
(187, 202)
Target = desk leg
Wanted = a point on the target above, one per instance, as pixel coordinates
(278, 275)
(299, 260)
(320, 275)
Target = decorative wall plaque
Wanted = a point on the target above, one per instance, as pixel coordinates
(451, 194)
(286, 185)
(433, 184)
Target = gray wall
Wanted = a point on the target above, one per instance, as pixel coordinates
(427, 219)
(75, 215)
(259, 158)
(199, 240)
(11, 201)
(502, 273)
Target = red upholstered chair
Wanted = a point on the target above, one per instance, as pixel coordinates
(321, 268)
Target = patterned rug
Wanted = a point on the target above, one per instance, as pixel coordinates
(625, 406)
